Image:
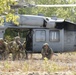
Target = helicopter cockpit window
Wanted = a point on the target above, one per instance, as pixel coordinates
(54, 35)
(40, 36)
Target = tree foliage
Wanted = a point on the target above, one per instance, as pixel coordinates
(62, 12)
(5, 10)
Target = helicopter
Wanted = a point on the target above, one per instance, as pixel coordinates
(60, 34)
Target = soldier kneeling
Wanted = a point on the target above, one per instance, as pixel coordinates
(46, 51)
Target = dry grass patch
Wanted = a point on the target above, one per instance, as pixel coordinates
(59, 62)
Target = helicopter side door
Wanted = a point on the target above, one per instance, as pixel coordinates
(39, 38)
(55, 39)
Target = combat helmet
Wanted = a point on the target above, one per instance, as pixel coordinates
(45, 44)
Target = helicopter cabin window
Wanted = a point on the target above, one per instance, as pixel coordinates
(54, 35)
(40, 36)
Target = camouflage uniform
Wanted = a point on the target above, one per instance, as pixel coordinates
(11, 47)
(14, 49)
(21, 49)
(46, 52)
(6, 53)
(2, 48)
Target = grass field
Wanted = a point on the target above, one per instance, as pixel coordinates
(65, 62)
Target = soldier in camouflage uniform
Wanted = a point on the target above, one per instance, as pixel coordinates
(6, 52)
(21, 50)
(2, 48)
(46, 51)
(13, 48)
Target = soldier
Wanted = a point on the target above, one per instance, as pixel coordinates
(17, 39)
(2, 48)
(46, 51)
(13, 47)
(6, 53)
(21, 49)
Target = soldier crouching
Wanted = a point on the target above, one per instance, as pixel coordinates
(46, 51)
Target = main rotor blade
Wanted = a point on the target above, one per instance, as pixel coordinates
(57, 5)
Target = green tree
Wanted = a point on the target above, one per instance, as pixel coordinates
(5, 10)
(62, 12)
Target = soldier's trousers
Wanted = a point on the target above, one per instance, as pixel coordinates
(48, 56)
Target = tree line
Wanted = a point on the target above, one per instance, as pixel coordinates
(68, 13)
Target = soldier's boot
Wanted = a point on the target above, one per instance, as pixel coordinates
(23, 55)
(18, 56)
(6, 55)
(42, 57)
(26, 55)
(14, 56)
(49, 57)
